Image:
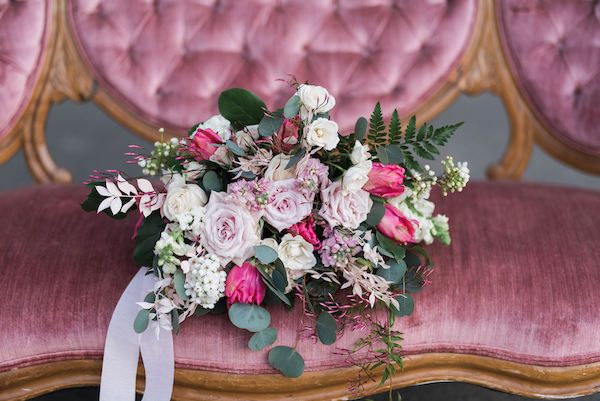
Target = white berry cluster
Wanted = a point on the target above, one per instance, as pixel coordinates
(205, 280)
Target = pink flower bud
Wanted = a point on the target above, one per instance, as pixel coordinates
(287, 136)
(244, 284)
(385, 180)
(203, 141)
(396, 226)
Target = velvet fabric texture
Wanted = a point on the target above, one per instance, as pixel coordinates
(167, 60)
(554, 49)
(23, 37)
(518, 283)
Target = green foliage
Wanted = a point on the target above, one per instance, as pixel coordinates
(326, 328)
(175, 320)
(376, 214)
(241, 107)
(287, 361)
(262, 339)
(269, 125)
(296, 157)
(394, 273)
(212, 182)
(360, 129)
(179, 281)
(389, 247)
(406, 305)
(147, 235)
(234, 148)
(265, 254)
(292, 107)
(395, 129)
(268, 280)
(140, 324)
(377, 136)
(251, 317)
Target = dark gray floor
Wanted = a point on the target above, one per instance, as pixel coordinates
(429, 392)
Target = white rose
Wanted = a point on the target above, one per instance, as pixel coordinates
(357, 176)
(277, 170)
(360, 153)
(182, 200)
(297, 255)
(344, 208)
(314, 100)
(220, 125)
(288, 205)
(229, 230)
(322, 133)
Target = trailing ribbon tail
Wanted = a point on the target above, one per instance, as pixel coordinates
(123, 345)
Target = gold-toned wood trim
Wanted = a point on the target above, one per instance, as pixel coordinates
(192, 385)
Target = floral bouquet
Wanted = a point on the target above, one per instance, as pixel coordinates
(258, 207)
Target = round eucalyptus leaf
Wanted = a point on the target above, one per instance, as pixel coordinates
(262, 339)
(212, 182)
(326, 328)
(269, 125)
(179, 281)
(360, 129)
(292, 107)
(141, 321)
(250, 317)
(265, 254)
(286, 360)
(406, 305)
(395, 272)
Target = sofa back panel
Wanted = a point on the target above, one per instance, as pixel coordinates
(24, 27)
(554, 51)
(167, 60)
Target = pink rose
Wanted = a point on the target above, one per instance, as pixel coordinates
(288, 205)
(287, 136)
(385, 180)
(203, 140)
(245, 285)
(306, 229)
(396, 226)
(344, 208)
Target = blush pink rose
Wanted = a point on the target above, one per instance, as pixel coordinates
(396, 226)
(245, 285)
(287, 136)
(344, 208)
(385, 180)
(203, 141)
(288, 205)
(306, 229)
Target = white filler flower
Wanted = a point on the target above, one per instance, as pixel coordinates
(205, 280)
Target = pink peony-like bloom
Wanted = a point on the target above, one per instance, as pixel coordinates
(385, 180)
(287, 205)
(306, 229)
(344, 208)
(396, 226)
(245, 285)
(287, 136)
(203, 140)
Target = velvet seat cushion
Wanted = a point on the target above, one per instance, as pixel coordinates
(167, 60)
(519, 283)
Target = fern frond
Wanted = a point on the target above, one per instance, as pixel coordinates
(395, 129)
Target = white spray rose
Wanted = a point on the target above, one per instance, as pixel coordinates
(315, 100)
(297, 255)
(277, 170)
(357, 176)
(322, 133)
(182, 200)
(360, 153)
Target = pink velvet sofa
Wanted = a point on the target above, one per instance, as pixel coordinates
(513, 302)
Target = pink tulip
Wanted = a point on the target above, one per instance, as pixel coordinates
(287, 136)
(203, 141)
(306, 229)
(396, 226)
(244, 284)
(385, 180)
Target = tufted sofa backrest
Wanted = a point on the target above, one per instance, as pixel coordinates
(161, 63)
(24, 34)
(168, 60)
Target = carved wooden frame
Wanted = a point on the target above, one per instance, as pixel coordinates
(195, 385)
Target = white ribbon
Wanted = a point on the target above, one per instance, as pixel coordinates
(123, 345)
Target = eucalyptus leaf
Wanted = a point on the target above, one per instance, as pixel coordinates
(391, 246)
(279, 281)
(265, 254)
(251, 317)
(360, 129)
(234, 148)
(262, 339)
(212, 182)
(269, 125)
(326, 328)
(179, 281)
(390, 154)
(292, 107)
(406, 305)
(175, 320)
(394, 273)
(296, 158)
(269, 282)
(241, 106)
(286, 360)
(376, 214)
(147, 236)
(140, 324)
